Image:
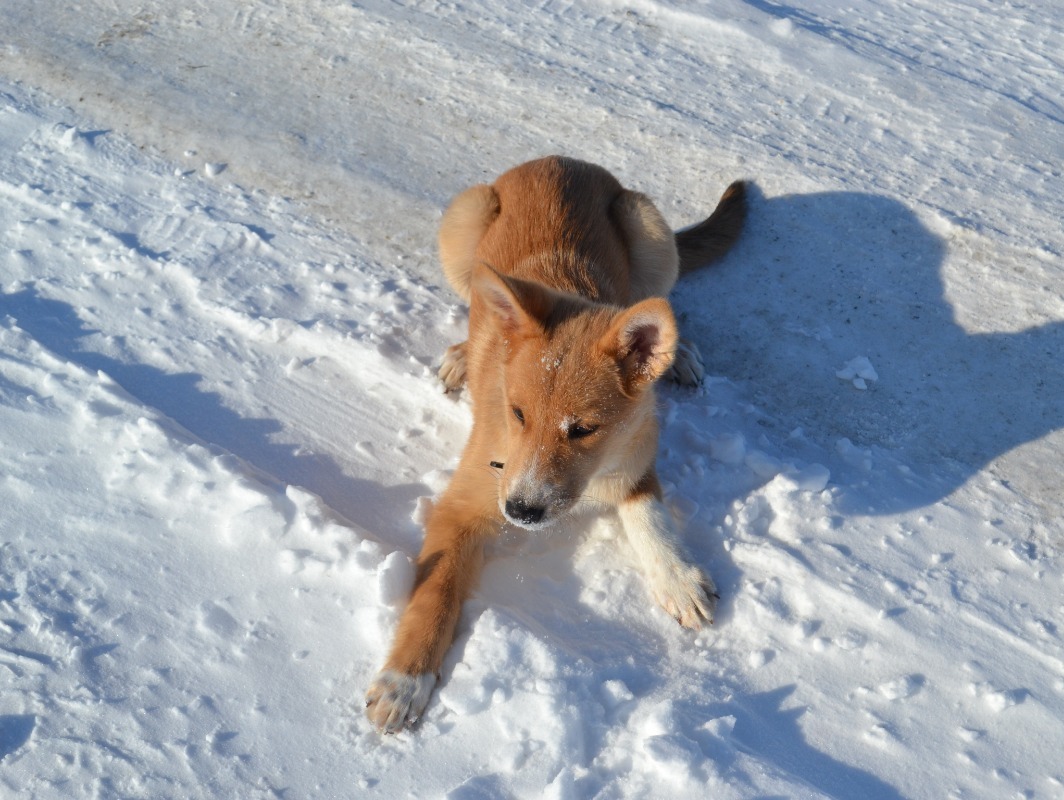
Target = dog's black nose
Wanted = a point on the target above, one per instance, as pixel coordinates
(521, 511)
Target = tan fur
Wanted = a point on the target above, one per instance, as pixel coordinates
(565, 272)
(655, 264)
(461, 229)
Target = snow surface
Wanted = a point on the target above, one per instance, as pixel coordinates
(220, 317)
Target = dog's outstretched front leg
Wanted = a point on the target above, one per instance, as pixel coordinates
(447, 568)
(680, 587)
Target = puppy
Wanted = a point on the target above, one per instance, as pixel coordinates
(566, 274)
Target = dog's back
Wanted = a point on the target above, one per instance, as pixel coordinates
(554, 228)
(570, 225)
(565, 224)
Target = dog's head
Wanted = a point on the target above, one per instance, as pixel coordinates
(577, 383)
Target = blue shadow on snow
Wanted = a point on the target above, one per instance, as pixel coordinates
(819, 279)
(15, 731)
(56, 326)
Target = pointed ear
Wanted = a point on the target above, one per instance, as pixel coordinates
(642, 339)
(515, 302)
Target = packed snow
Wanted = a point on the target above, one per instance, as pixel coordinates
(221, 316)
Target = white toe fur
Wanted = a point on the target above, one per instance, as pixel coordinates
(686, 593)
(395, 700)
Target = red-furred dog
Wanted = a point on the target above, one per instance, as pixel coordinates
(566, 274)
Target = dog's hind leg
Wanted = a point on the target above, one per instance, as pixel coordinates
(452, 371)
(653, 261)
(687, 368)
(464, 224)
(653, 268)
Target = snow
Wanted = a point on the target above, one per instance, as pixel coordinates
(220, 319)
(860, 371)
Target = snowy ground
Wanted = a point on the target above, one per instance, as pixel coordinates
(220, 313)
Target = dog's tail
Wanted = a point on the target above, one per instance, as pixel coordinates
(702, 244)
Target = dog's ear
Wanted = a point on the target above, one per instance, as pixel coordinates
(515, 302)
(642, 339)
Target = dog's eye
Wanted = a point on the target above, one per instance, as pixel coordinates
(579, 431)
(519, 414)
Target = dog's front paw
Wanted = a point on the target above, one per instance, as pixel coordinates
(395, 700)
(452, 371)
(687, 594)
(687, 369)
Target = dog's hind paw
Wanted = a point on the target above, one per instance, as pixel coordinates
(395, 700)
(452, 371)
(687, 369)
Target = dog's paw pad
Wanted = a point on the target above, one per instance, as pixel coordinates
(687, 369)
(395, 700)
(687, 595)
(452, 372)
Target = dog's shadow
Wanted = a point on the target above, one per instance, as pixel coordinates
(821, 279)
